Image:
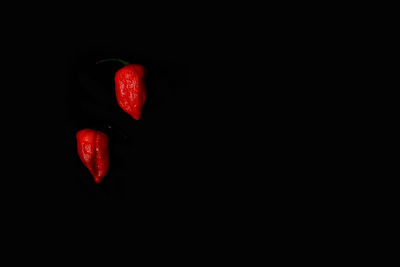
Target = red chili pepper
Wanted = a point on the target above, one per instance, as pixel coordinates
(93, 151)
(130, 87)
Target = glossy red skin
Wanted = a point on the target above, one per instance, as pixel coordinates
(93, 151)
(130, 89)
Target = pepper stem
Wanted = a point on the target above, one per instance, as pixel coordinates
(113, 59)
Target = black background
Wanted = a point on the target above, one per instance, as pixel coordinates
(227, 128)
(222, 141)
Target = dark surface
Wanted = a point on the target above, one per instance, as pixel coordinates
(223, 133)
